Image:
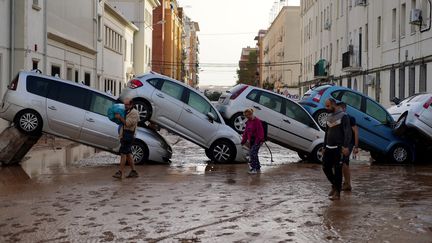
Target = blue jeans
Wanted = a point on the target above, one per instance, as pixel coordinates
(253, 157)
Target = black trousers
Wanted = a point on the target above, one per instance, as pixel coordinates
(332, 166)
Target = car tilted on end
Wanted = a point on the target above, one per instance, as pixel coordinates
(38, 103)
(186, 112)
(376, 133)
(289, 125)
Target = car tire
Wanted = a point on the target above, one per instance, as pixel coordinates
(321, 118)
(208, 154)
(140, 152)
(303, 156)
(29, 122)
(317, 154)
(222, 151)
(400, 154)
(238, 122)
(144, 110)
(401, 127)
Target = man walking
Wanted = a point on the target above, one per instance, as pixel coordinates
(336, 143)
(353, 149)
(127, 136)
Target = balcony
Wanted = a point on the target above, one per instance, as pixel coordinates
(321, 69)
(350, 62)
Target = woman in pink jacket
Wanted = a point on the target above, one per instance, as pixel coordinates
(253, 137)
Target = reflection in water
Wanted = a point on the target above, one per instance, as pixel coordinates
(54, 161)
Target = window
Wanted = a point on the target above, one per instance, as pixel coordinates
(252, 95)
(294, 111)
(271, 101)
(349, 85)
(100, 104)
(76, 76)
(413, 6)
(411, 86)
(37, 85)
(376, 111)
(337, 51)
(394, 24)
(35, 64)
(87, 79)
(69, 73)
(172, 89)
(402, 83)
(35, 5)
(392, 84)
(352, 99)
(55, 70)
(403, 20)
(423, 78)
(379, 31)
(68, 94)
(155, 82)
(378, 87)
(113, 40)
(198, 103)
(366, 37)
(336, 94)
(99, 27)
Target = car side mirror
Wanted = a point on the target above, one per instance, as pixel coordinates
(211, 117)
(396, 100)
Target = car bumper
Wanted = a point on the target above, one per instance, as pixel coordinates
(419, 125)
(160, 155)
(242, 154)
(8, 111)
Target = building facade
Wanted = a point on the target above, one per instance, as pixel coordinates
(191, 52)
(380, 48)
(140, 13)
(260, 44)
(281, 43)
(167, 39)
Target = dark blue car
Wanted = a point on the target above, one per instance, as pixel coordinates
(374, 122)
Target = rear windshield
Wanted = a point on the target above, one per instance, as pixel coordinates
(235, 89)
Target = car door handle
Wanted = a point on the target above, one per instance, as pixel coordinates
(257, 107)
(52, 108)
(160, 95)
(188, 110)
(90, 120)
(287, 121)
(367, 118)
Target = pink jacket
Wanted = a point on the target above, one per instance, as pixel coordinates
(254, 128)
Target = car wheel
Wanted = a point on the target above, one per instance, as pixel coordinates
(29, 122)
(238, 122)
(144, 110)
(400, 154)
(140, 152)
(400, 127)
(303, 156)
(317, 154)
(222, 151)
(321, 118)
(208, 154)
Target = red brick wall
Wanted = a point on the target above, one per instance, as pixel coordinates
(158, 39)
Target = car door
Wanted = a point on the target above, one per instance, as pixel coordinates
(168, 104)
(268, 108)
(194, 122)
(97, 129)
(376, 122)
(297, 127)
(66, 105)
(354, 103)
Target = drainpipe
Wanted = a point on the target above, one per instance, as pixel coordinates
(45, 6)
(12, 40)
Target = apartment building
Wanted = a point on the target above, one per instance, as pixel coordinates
(140, 13)
(191, 52)
(260, 44)
(380, 47)
(281, 43)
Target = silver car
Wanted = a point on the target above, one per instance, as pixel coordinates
(289, 124)
(37, 103)
(186, 112)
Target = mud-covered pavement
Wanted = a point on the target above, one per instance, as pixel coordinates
(56, 200)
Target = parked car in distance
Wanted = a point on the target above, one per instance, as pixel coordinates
(186, 112)
(374, 122)
(37, 103)
(413, 112)
(289, 124)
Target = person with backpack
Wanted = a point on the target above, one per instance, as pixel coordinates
(253, 137)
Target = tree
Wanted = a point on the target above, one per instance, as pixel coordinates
(247, 72)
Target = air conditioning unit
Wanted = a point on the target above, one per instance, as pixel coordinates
(327, 25)
(416, 17)
(361, 2)
(370, 80)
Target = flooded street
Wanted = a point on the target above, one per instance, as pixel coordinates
(68, 195)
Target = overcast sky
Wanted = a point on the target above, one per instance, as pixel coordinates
(226, 26)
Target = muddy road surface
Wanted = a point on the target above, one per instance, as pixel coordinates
(58, 196)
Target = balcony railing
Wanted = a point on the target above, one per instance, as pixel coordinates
(320, 69)
(350, 62)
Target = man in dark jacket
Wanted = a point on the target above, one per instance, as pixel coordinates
(336, 143)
